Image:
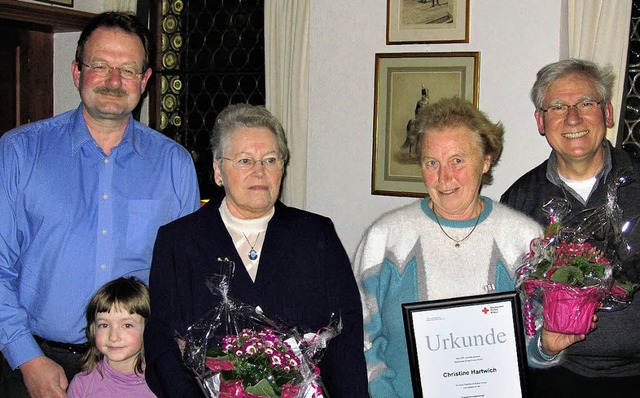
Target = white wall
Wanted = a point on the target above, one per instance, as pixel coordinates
(64, 51)
(514, 38)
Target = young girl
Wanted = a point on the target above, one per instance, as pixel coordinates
(114, 365)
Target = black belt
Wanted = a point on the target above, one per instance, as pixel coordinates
(72, 348)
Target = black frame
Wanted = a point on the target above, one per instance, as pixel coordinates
(66, 3)
(511, 297)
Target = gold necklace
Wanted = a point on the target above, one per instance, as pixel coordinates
(449, 236)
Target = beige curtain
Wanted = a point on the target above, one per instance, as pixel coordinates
(120, 5)
(599, 32)
(286, 32)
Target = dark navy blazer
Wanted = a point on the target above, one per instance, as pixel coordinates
(304, 276)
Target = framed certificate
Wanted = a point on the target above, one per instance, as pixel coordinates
(467, 347)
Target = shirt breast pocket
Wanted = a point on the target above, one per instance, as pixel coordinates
(145, 216)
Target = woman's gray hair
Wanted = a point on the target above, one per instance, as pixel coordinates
(602, 76)
(239, 116)
(454, 112)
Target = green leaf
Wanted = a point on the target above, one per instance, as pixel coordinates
(540, 269)
(262, 388)
(568, 274)
(626, 285)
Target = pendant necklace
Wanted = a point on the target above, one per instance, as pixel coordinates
(254, 254)
(457, 242)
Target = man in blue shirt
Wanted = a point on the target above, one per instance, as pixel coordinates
(81, 198)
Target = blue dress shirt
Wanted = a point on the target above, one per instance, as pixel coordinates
(73, 219)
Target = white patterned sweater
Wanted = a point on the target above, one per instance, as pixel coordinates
(405, 257)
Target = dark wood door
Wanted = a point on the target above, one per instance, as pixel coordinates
(26, 58)
(26, 64)
(9, 63)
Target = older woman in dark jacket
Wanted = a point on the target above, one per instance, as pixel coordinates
(289, 262)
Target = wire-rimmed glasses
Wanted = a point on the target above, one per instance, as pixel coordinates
(103, 70)
(244, 162)
(561, 110)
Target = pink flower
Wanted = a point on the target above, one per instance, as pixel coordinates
(250, 349)
(276, 360)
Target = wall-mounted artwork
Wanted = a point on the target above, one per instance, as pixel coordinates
(427, 21)
(404, 83)
(67, 3)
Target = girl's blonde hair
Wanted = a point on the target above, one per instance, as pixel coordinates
(127, 294)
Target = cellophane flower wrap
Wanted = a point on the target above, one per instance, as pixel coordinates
(236, 351)
(575, 268)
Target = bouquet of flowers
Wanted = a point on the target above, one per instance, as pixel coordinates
(237, 351)
(575, 268)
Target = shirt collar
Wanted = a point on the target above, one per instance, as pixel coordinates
(79, 131)
(80, 134)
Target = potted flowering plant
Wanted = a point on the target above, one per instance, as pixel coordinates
(568, 275)
(572, 278)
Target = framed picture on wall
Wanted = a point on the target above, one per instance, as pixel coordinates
(427, 21)
(405, 82)
(67, 3)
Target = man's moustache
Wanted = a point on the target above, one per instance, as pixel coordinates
(117, 92)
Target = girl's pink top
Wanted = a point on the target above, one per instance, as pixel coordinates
(109, 384)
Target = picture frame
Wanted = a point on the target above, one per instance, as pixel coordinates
(403, 83)
(427, 21)
(467, 346)
(66, 3)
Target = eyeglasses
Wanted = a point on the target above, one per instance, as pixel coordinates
(244, 162)
(560, 110)
(103, 70)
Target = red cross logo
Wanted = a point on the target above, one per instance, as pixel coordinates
(485, 310)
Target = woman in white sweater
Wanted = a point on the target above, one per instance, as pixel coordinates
(452, 243)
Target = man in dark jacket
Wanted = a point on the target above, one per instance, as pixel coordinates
(573, 111)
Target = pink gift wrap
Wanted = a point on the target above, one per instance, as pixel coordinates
(234, 389)
(289, 391)
(568, 309)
